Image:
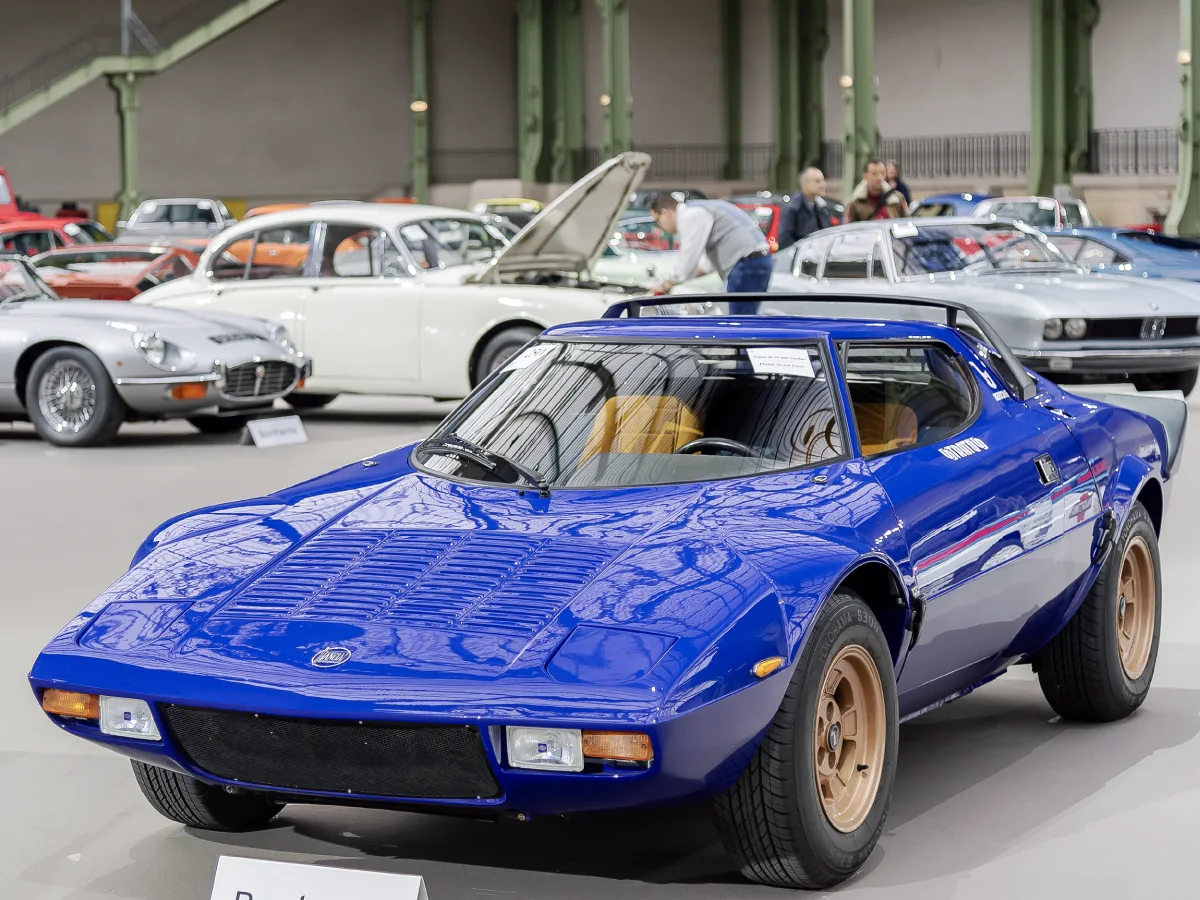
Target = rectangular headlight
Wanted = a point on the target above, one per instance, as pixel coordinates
(122, 717)
(551, 749)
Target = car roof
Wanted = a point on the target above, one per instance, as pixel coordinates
(379, 215)
(38, 224)
(749, 328)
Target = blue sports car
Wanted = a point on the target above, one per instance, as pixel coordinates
(652, 559)
(1130, 251)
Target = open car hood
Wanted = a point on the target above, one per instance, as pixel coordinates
(572, 231)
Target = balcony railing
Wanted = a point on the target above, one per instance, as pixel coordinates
(1135, 151)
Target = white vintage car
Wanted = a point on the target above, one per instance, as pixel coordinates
(410, 299)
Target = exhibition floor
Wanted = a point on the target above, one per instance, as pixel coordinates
(994, 798)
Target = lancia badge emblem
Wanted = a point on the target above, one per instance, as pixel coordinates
(1153, 329)
(330, 657)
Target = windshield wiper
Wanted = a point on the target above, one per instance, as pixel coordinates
(21, 297)
(456, 445)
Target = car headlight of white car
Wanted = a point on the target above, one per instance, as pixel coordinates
(280, 335)
(161, 353)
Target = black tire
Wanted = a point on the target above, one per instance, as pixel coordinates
(109, 410)
(218, 424)
(500, 348)
(1080, 670)
(772, 820)
(309, 401)
(1167, 381)
(191, 802)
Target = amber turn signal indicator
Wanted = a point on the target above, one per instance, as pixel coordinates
(765, 667)
(193, 390)
(71, 704)
(628, 745)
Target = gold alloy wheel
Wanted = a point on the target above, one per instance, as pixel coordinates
(849, 738)
(1135, 608)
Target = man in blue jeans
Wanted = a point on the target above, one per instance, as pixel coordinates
(725, 235)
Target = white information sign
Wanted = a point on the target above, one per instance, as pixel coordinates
(529, 356)
(780, 361)
(277, 432)
(261, 879)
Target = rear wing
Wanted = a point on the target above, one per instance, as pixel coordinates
(1168, 408)
(1016, 378)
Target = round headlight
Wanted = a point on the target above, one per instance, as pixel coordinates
(1075, 328)
(152, 347)
(279, 334)
(1053, 329)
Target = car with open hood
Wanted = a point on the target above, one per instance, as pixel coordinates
(1071, 325)
(407, 298)
(112, 271)
(78, 369)
(649, 560)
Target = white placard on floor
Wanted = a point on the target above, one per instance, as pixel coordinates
(261, 879)
(276, 432)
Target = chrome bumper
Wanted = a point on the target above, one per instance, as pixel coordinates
(1112, 359)
(152, 396)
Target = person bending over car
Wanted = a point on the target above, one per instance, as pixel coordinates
(874, 198)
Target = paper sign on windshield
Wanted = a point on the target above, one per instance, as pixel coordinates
(529, 356)
(780, 361)
(904, 230)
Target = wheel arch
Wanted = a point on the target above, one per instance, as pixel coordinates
(879, 585)
(1151, 497)
(480, 342)
(30, 355)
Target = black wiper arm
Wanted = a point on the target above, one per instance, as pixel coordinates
(489, 459)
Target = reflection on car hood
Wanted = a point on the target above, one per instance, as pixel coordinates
(1068, 294)
(573, 230)
(141, 317)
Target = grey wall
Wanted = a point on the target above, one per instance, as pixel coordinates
(472, 73)
(1135, 75)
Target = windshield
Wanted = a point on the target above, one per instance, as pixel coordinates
(922, 250)
(153, 213)
(596, 414)
(81, 260)
(19, 282)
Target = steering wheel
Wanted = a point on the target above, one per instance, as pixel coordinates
(716, 445)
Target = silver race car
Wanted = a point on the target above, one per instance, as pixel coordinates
(77, 369)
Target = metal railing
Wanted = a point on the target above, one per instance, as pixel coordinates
(1134, 151)
(102, 40)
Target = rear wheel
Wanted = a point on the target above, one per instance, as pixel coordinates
(309, 401)
(218, 424)
(1099, 667)
(500, 348)
(1167, 381)
(809, 808)
(70, 399)
(189, 801)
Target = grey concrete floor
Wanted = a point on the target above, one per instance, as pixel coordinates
(994, 797)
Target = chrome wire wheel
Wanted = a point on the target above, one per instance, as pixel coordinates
(67, 397)
(1135, 608)
(849, 738)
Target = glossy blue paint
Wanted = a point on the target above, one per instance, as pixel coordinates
(639, 608)
(1133, 252)
(951, 204)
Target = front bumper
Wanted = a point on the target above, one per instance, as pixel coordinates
(156, 396)
(1110, 359)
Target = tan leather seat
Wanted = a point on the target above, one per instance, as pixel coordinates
(884, 426)
(636, 423)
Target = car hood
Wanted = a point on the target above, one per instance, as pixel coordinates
(1068, 294)
(171, 322)
(573, 230)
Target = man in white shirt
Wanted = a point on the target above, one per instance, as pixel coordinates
(726, 235)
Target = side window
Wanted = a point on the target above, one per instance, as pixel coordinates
(438, 243)
(230, 263)
(907, 396)
(29, 243)
(1095, 255)
(810, 256)
(850, 255)
(357, 251)
(280, 252)
(1068, 246)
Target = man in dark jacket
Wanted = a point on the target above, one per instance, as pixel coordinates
(807, 211)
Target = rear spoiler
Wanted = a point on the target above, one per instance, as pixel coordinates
(1168, 408)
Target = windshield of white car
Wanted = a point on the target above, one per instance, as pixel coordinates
(921, 250)
(19, 282)
(587, 414)
(152, 213)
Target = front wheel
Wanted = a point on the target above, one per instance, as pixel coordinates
(189, 801)
(1167, 381)
(500, 348)
(70, 399)
(809, 808)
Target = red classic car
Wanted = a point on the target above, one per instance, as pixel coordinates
(112, 272)
(33, 234)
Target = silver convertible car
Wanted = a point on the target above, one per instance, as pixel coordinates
(1070, 325)
(77, 369)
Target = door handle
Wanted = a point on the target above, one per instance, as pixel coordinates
(1047, 470)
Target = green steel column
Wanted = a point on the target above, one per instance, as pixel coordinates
(616, 99)
(127, 88)
(1184, 217)
(731, 69)
(785, 102)
(565, 163)
(1061, 84)
(531, 94)
(858, 87)
(814, 44)
(418, 12)
(1077, 83)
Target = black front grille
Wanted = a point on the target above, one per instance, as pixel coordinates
(1131, 329)
(445, 762)
(264, 379)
